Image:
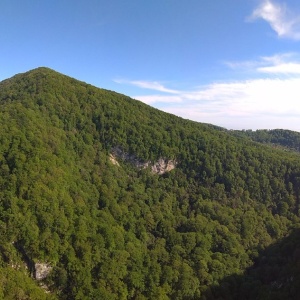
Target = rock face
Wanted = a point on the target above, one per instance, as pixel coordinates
(113, 159)
(42, 270)
(160, 167)
(119, 153)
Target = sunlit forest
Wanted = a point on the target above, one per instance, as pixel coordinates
(222, 224)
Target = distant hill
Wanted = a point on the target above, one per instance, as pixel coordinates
(104, 197)
(287, 139)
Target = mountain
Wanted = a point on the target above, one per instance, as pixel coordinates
(104, 197)
(286, 139)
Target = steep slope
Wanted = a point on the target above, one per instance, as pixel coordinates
(76, 194)
(274, 276)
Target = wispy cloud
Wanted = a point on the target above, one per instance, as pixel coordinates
(285, 64)
(151, 85)
(284, 22)
(287, 68)
(269, 99)
(153, 99)
(240, 98)
(257, 103)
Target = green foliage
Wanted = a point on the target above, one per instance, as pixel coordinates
(286, 139)
(14, 284)
(119, 232)
(275, 275)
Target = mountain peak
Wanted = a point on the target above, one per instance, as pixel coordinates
(169, 235)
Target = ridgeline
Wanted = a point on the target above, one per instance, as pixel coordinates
(104, 197)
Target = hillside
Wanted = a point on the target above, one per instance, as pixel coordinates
(118, 200)
(274, 276)
(286, 139)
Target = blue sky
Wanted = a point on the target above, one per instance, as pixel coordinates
(231, 63)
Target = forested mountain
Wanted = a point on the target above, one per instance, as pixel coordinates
(287, 139)
(113, 199)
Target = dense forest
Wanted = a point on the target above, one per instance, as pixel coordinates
(286, 139)
(79, 195)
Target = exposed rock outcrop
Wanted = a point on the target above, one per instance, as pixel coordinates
(162, 166)
(113, 159)
(42, 270)
(120, 154)
(159, 167)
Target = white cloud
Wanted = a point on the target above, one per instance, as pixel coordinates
(248, 65)
(279, 58)
(281, 19)
(259, 96)
(286, 68)
(152, 99)
(269, 98)
(285, 64)
(152, 85)
(258, 103)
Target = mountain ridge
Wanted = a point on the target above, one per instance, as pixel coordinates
(119, 232)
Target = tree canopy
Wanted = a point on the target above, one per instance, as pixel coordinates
(118, 231)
